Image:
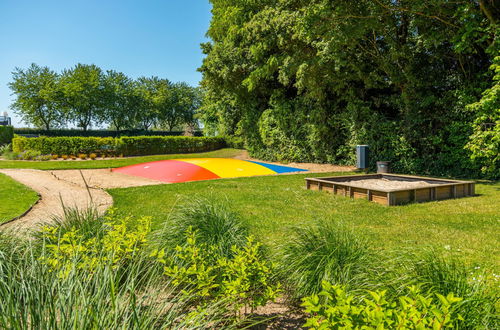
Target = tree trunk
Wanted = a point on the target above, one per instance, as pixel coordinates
(491, 9)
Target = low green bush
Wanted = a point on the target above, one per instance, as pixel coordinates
(241, 281)
(64, 145)
(127, 146)
(29, 155)
(335, 308)
(6, 134)
(331, 252)
(156, 145)
(236, 142)
(440, 274)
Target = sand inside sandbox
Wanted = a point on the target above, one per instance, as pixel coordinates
(386, 184)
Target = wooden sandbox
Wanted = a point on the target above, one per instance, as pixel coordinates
(392, 189)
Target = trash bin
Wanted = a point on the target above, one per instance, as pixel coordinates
(362, 156)
(383, 167)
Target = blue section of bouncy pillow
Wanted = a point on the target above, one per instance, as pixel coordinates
(279, 168)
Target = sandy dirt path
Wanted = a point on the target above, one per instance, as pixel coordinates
(53, 192)
(102, 178)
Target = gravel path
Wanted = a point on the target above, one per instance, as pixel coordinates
(53, 192)
(103, 178)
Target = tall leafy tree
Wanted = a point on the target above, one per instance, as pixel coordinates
(179, 106)
(119, 100)
(38, 96)
(147, 92)
(485, 140)
(84, 94)
(307, 80)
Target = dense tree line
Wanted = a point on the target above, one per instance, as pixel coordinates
(308, 80)
(87, 96)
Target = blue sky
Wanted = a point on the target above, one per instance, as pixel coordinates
(137, 37)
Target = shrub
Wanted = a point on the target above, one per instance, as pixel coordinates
(55, 157)
(29, 155)
(127, 146)
(82, 156)
(213, 223)
(43, 158)
(334, 308)
(152, 145)
(64, 145)
(235, 142)
(243, 280)
(75, 252)
(64, 157)
(329, 252)
(10, 155)
(92, 156)
(6, 134)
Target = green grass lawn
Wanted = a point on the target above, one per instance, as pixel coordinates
(110, 163)
(273, 205)
(15, 198)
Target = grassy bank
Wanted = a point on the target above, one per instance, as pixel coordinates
(273, 205)
(15, 198)
(111, 163)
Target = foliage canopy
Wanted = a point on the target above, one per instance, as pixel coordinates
(308, 80)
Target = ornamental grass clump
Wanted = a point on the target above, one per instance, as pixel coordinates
(66, 279)
(329, 251)
(213, 223)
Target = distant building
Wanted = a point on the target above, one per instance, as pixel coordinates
(5, 120)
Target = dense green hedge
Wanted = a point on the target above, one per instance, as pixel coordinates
(127, 146)
(96, 133)
(152, 145)
(6, 134)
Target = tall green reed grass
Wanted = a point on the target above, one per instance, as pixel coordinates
(110, 293)
(329, 251)
(214, 223)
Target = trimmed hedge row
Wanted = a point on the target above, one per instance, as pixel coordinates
(6, 134)
(96, 133)
(127, 146)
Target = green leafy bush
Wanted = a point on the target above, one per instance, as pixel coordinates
(485, 141)
(440, 274)
(6, 134)
(242, 281)
(236, 142)
(334, 308)
(128, 146)
(29, 155)
(153, 145)
(331, 252)
(74, 251)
